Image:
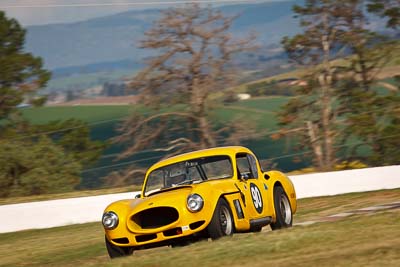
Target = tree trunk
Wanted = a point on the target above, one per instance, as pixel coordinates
(198, 102)
(316, 146)
(325, 81)
(207, 140)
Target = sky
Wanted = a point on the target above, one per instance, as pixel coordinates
(39, 12)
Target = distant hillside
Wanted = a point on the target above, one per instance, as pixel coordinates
(115, 38)
(112, 66)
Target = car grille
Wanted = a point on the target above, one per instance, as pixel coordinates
(155, 217)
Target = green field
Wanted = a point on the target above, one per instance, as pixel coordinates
(104, 120)
(97, 113)
(360, 240)
(261, 119)
(89, 114)
(271, 103)
(261, 111)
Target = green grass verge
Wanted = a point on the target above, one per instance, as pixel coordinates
(355, 241)
(359, 241)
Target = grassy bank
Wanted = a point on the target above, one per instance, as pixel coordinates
(359, 241)
(355, 241)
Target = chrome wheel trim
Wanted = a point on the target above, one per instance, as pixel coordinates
(286, 210)
(226, 220)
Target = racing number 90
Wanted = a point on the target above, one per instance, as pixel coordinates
(256, 196)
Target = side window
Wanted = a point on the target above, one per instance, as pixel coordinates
(246, 165)
(253, 165)
(194, 174)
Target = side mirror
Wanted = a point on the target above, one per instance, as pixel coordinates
(244, 177)
(266, 176)
(138, 195)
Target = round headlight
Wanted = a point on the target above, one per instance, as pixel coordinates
(195, 203)
(110, 220)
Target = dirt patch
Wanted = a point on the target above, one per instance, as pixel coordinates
(394, 206)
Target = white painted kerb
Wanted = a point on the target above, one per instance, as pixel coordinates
(52, 213)
(341, 182)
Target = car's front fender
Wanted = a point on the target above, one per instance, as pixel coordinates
(278, 177)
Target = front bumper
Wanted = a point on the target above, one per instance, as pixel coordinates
(186, 225)
(132, 239)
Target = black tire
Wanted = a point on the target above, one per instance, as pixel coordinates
(283, 210)
(256, 229)
(116, 251)
(222, 221)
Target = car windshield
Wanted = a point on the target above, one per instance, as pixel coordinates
(189, 172)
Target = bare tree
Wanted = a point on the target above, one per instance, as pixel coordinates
(193, 61)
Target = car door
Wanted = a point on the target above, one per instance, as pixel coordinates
(253, 186)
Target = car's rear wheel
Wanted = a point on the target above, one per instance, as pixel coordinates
(116, 251)
(283, 210)
(222, 221)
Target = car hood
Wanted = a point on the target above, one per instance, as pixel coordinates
(169, 197)
(157, 211)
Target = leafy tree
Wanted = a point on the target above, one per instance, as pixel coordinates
(31, 150)
(386, 8)
(28, 168)
(21, 74)
(35, 159)
(312, 113)
(193, 60)
(369, 115)
(374, 120)
(331, 109)
(74, 137)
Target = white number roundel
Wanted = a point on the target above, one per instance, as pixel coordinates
(256, 196)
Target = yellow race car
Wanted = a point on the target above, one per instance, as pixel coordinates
(203, 194)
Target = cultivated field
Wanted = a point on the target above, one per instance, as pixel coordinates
(98, 113)
(89, 114)
(360, 240)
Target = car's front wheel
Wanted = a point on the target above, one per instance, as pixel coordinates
(222, 221)
(116, 251)
(283, 210)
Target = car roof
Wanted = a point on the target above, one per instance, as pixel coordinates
(227, 150)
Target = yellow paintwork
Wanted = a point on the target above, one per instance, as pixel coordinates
(210, 190)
